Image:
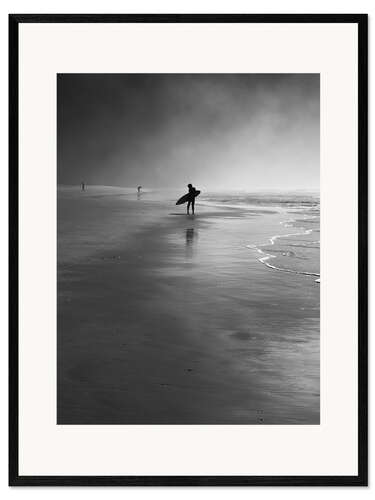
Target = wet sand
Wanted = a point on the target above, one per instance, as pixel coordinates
(169, 319)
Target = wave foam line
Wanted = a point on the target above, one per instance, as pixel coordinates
(267, 256)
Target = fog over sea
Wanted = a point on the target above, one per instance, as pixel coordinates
(165, 318)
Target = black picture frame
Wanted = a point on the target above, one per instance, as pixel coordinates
(359, 480)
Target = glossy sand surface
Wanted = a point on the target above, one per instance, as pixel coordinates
(170, 319)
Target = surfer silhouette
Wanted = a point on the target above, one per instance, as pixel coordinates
(191, 199)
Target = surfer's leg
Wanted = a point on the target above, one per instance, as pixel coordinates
(188, 206)
(193, 206)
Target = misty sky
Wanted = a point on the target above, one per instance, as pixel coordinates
(245, 131)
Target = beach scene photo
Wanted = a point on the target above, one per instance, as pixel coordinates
(188, 249)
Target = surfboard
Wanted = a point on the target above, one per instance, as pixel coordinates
(186, 197)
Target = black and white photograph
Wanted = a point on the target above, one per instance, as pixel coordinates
(188, 249)
(188, 291)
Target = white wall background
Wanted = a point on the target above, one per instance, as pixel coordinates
(155, 6)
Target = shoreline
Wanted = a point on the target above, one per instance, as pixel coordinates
(171, 322)
(268, 256)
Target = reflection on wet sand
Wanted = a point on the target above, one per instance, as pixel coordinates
(191, 235)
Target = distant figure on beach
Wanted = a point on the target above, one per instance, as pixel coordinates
(82, 186)
(191, 199)
(139, 189)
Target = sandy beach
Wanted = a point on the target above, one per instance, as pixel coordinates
(165, 318)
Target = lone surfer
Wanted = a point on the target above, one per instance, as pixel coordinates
(191, 199)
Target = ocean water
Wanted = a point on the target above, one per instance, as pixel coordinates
(295, 245)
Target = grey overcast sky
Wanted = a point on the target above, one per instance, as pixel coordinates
(217, 131)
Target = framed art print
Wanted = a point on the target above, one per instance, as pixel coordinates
(188, 249)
